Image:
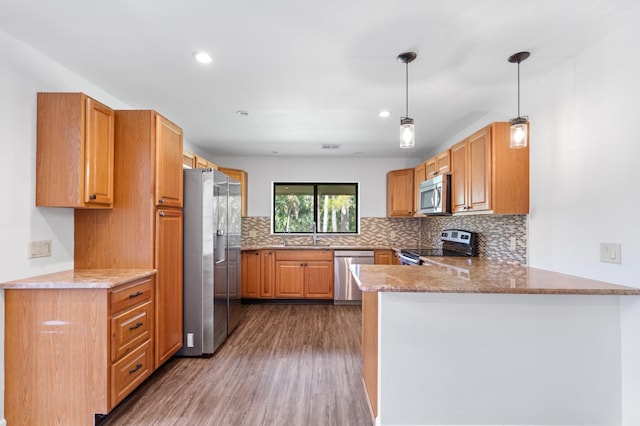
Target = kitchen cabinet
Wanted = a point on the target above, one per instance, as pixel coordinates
(438, 165)
(488, 176)
(258, 274)
(203, 163)
(383, 257)
(98, 349)
(400, 193)
(74, 151)
(304, 274)
(267, 273)
(240, 176)
(141, 231)
(419, 175)
(188, 160)
(250, 264)
(169, 304)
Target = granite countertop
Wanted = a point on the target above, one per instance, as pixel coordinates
(80, 278)
(476, 275)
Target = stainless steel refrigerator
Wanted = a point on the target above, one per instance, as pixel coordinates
(212, 226)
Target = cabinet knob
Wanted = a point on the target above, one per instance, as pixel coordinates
(161, 200)
(162, 214)
(92, 197)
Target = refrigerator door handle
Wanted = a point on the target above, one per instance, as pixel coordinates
(220, 246)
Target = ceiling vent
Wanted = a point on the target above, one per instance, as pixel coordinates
(330, 146)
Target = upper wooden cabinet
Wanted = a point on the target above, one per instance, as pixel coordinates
(489, 176)
(400, 193)
(168, 164)
(203, 163)
(188, 160)
(75, 151)
(240, 176)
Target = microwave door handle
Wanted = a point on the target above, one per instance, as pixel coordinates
(435, 198)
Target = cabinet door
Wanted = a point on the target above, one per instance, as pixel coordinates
(251, 273)
(431, 168)
(289, 279)
(400, 193)
(169, 283)
(318, 280)
(459, 177)
(188, 160)
(168, 167)
(479, 169)
(383, 257)
(98, 153)
(267, 272)
(443, 162)
(419, 175)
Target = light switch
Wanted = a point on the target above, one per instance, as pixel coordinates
(610, 252)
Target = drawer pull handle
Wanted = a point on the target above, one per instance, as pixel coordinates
(92, 197)
(138, 367)
(162, 214)
(138, 325)
(136, 294)
(161, 200)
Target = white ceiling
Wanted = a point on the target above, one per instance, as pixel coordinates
(312, 73)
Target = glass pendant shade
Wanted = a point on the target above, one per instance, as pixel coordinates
(407, 133)
(519, 132)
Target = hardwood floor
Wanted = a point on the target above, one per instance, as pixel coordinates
(284, 365)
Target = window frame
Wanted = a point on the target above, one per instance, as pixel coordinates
(315, 185)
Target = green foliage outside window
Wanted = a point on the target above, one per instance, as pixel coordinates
(331, 207)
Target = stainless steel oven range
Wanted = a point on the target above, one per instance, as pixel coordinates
(455, 242)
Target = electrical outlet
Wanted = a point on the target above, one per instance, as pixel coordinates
(513, 243)
(39, 249)
(189, 340)
(253, 234)
(610, 252)
(392, 235)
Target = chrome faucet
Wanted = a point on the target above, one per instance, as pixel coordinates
(284, 236)
(315, 235)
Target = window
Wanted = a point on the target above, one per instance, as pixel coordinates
(331, 207)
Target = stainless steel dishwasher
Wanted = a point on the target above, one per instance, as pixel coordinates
(346, 289)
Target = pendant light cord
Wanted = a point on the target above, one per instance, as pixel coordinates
(407, 90)
(518, 89)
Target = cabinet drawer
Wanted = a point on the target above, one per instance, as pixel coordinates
(296, 255)
(129, 372)
(130, 295)
(130, 329)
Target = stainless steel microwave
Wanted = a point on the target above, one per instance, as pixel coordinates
(435, 195)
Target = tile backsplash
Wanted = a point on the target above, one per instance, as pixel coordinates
(495, 233)
(374, 232)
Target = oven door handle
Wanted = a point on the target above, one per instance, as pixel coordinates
(409, 260)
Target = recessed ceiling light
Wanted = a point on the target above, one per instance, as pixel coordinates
(384, 113)
(242, 112)
(203, 57)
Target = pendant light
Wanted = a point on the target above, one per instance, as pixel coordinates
(519, 125)
(407, 130)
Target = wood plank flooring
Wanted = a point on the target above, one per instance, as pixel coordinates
(284, 365)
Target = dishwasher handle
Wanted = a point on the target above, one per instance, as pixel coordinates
(353, 253)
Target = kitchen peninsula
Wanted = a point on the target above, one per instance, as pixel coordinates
(472, 341)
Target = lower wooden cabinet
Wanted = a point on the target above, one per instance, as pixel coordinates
(304, 274)
(73, 353)
(257, 274)
(383, 257)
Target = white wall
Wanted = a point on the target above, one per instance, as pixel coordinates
(370, 172)
(585, 153)
(23, 73)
